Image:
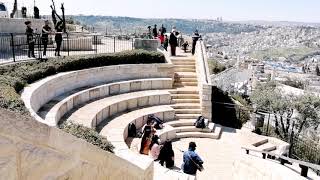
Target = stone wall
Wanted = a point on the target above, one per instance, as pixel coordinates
(204, 82)
(147, 44)
(41, 92)
(31, 150)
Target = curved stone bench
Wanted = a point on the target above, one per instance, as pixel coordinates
(94, 113)
(69, 102)
(38, 94)
(185, 129)
(116, 130)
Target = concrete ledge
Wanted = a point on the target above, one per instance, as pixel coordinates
(57, 111)
(94, 113)
(41, 92)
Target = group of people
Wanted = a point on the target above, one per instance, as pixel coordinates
(150, 145)
(173, 39)
(46, 31)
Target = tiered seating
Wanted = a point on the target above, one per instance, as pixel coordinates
(117, 130)
(59, 106)
(94, 113)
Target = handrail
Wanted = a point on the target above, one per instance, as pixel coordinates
(303, 165)
(203, 60)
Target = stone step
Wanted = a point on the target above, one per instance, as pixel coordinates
(184, 84)
(185, 91)
(192, 129)
(185, 66)
(185, 101)
(181, 122)
(188, 111)
(185, 69)
(184, 63)
(267, 147)
(197, 135)
(186, 79)
(186, 106)
(182, 59)
(187, 116)
(186, 74)
(185, 96)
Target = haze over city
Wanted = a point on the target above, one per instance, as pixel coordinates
(232, 10)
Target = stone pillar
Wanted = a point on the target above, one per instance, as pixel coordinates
(147, 44)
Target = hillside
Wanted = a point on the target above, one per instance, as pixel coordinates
(126, 25)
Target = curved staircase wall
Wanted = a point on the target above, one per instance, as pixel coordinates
(26, 146)
(41, 92)
(204, 82)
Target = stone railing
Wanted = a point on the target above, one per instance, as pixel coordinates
(32, 150)
(38, 94)
(204, 82)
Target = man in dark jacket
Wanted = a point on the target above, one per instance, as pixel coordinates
(155, 31)
(30, 39)
(191, 160)
(46, 30)
(173, 41)
(195, 38)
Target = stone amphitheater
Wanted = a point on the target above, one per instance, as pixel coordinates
(108, 99)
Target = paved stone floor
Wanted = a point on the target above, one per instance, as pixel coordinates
(218, 155)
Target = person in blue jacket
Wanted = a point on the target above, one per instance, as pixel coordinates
(191, 160)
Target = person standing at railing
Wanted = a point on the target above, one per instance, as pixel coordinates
(173, 41)
(58, 37)
(195, 38)
(46, 30)
(30, 39)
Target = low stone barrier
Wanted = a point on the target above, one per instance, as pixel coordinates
(147, 44)
(41, 92)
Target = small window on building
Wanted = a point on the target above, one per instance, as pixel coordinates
(2, 8)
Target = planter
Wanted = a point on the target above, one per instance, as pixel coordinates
(147, 44)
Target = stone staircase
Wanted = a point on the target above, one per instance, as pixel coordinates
(186, 100)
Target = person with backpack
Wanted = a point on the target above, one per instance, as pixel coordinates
(158, 123)
(200, 122)
(191, 160)
(148, 132)
(154, 147)
(166, 155)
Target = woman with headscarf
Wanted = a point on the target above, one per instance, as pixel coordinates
(166, 154)
(154, 147)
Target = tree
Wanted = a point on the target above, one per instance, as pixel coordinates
(308, 107)
(317, 70)
(267, 97)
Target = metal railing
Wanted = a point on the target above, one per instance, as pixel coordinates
(14, 47)
(283, 159)
(301, 147)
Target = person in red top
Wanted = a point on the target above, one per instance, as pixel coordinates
(161, 37)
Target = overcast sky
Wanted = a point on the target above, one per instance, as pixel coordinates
(272, 10)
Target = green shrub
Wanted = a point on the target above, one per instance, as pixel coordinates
(13, 78)
(87, 134)
(215, 67)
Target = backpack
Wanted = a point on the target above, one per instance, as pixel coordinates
(132, 130)
(200, 122)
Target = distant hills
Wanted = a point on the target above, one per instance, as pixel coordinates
(128, 25)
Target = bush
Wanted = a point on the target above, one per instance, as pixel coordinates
(90, 135)
(216, 67)
(294, 83)
(13, 78)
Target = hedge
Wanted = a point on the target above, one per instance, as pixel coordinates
(88, 134)
(13, 78)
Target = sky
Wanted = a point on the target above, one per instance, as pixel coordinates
(232, 10)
